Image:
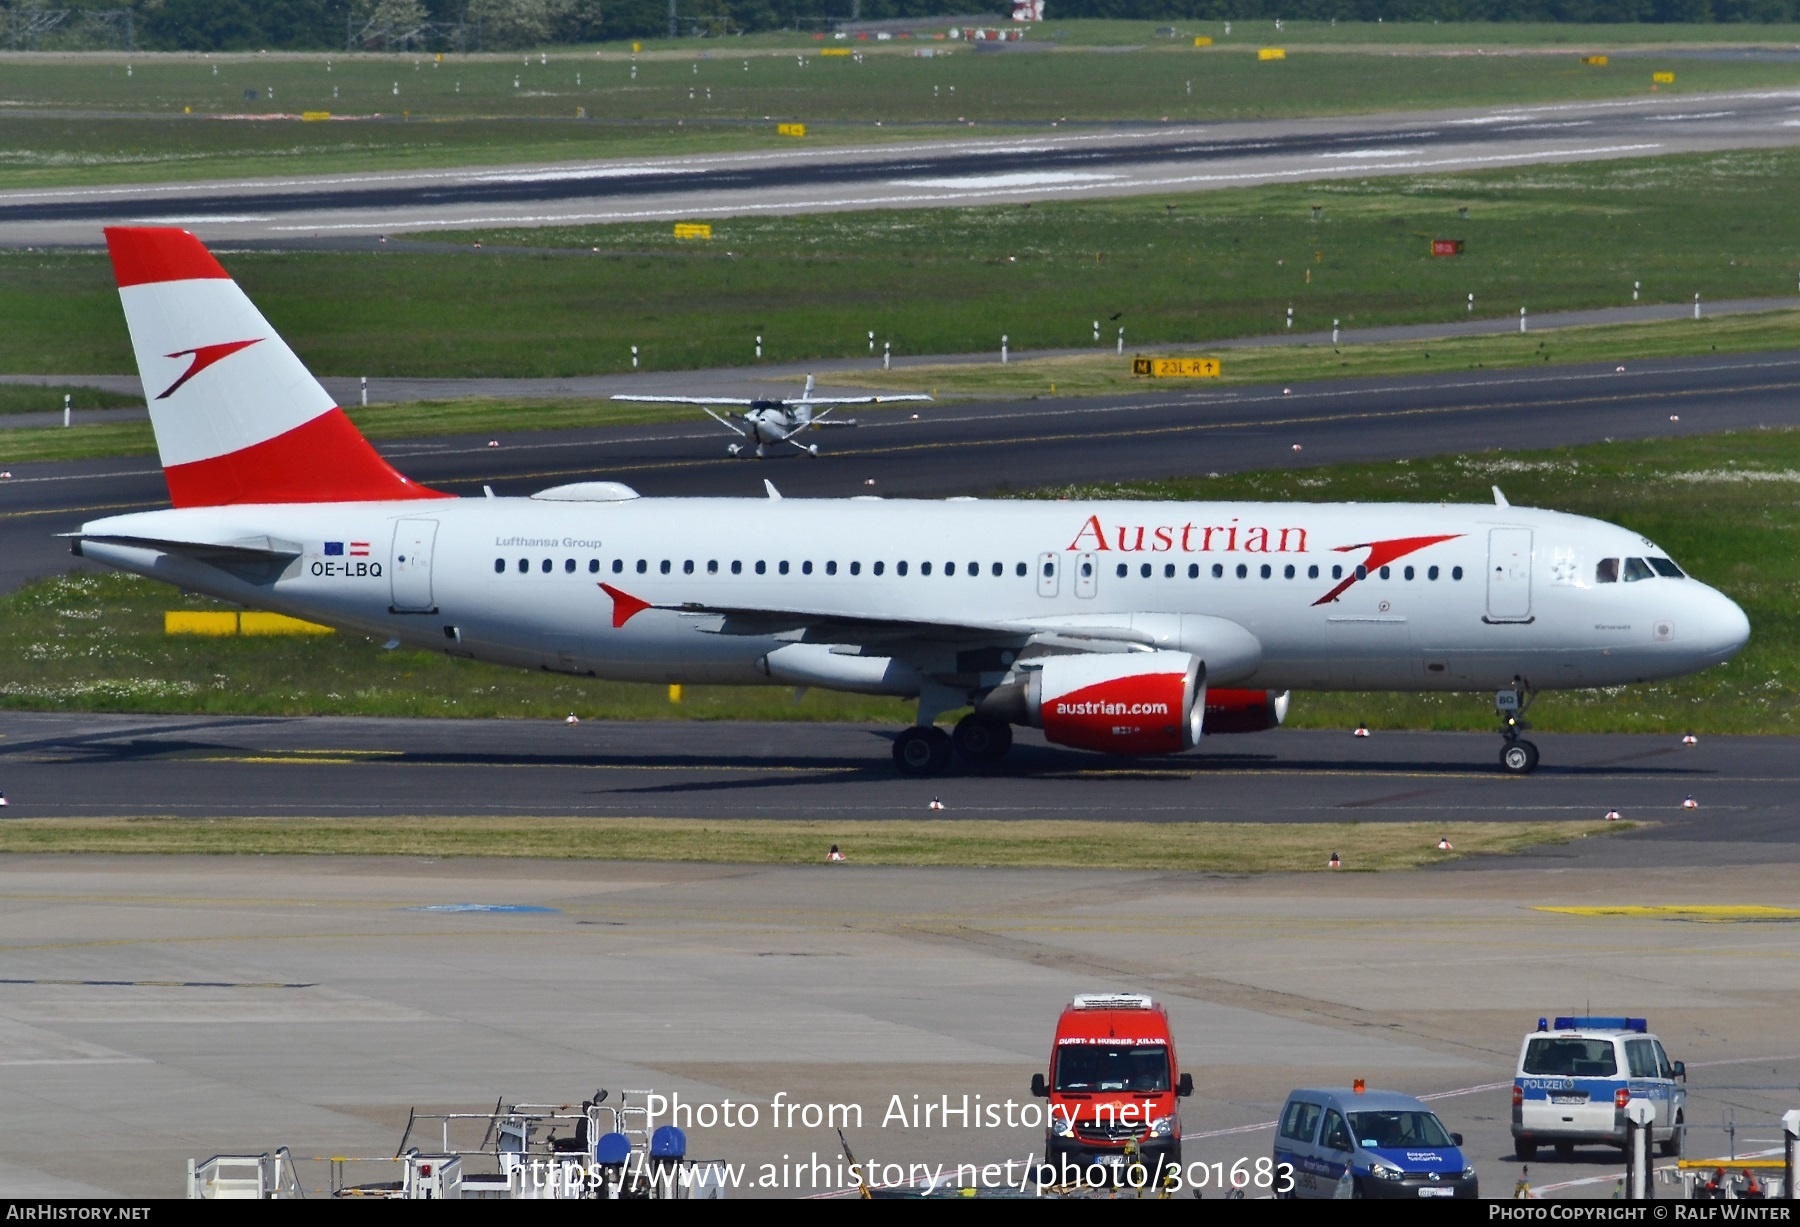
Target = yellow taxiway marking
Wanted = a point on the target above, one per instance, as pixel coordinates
(1715, 912)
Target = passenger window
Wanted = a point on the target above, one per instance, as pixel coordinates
(762, 568)
(568, 566)
(664, 568)
(1640, 1058)
(1122, 572)
(1607, 571)
(856, 569)
(1193, 570)
(737, 568)
(524, 565)
(1287, 572)
(975, 568)
(1666, 568)
(782, 566)
(594, 566)
(1455, 572)
(924, 568)
(618, 566)
(1337, 573)
(1431, 573)
(1663, 1068)
(899, 568)
(1300, 1121)
(643, 566)
(546, 567)
(831, 568)
(1144, 571)
(1386, 572)
(880, 567)
(1267, 570)
(1335, 1135)
(1218, 570)
(687, 566)
(1409, 573)
(1087, 570)
(1362, 572)
(1049, 569)
(712, 566)
(1169, 571)
(949, 568)
(1636, 569)
(806, 568)
(1242, 571)
(1312, 572)
(499, 566)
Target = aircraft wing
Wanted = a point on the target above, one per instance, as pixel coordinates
(687, 400)
(828, 626)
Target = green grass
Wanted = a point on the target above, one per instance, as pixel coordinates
(1206, 847)
(19, 398)
(84, 120)
(1100, 373)
(1724, 505)
(1179, 270)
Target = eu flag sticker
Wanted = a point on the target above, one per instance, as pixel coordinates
(334, 547)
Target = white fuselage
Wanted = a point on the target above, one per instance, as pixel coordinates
(1496, 593)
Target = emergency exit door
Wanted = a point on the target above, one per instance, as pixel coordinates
(1509, 575)
(409, 566)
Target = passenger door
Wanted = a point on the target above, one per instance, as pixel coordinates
(1646, 1078)
(409, 566)
(1336, 1150)
(1509, 575)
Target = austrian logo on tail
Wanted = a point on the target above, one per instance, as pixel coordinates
(1381, 553)
(203, 357)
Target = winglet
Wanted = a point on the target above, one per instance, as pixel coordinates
(774, 494)
(625, 606)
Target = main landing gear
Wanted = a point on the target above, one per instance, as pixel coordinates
(1517, 756)
(926, 749)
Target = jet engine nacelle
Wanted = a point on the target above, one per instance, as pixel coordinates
(1244, 711)
(1119, 702)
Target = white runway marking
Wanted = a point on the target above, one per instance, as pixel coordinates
(1021, 179)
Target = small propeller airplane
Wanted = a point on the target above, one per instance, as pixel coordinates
(768, 422)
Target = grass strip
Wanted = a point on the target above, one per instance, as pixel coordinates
(1207, 847)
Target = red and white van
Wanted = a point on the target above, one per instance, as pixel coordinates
(1113, 1077)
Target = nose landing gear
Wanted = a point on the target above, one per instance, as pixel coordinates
(1517, 756)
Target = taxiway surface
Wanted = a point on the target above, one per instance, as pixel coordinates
(60, 766)
(1047, 165)
(986, 449)
(192, 1006)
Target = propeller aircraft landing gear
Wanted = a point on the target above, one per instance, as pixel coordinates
(1517, 756)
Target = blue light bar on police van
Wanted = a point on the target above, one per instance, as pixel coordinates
(1595, 1023)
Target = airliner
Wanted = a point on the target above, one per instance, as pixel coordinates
(1115, 626)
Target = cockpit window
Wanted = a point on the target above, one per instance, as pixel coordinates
(1636, 569)
(1666, 568)
(1607, 572)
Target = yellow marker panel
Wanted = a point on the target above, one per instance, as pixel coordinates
(200, 622)
(791, 129)
(313, 117)
(1663, 78)
(834, 51)
(1271, 53)
(1594, 61)
(674, 692)
(1203, 41)
(258, 622)
(693, 230)
(1176, 368)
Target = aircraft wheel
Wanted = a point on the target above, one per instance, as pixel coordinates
(1518, 758)
(922, 751)
(980, 740)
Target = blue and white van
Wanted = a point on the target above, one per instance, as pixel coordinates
(1351, 1142)
(1574, 1079)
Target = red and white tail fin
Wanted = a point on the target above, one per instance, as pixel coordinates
(238, 418)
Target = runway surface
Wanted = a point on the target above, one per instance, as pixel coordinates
(65, 766)
(231, 1005)
(1048, 165)
(960, 449)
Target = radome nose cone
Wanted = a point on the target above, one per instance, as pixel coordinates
(1728, 628)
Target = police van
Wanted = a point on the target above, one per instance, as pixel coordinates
(1360, 1143)
(1575, 1078)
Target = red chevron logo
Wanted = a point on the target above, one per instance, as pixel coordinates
(204, 357)
(1381, 553)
